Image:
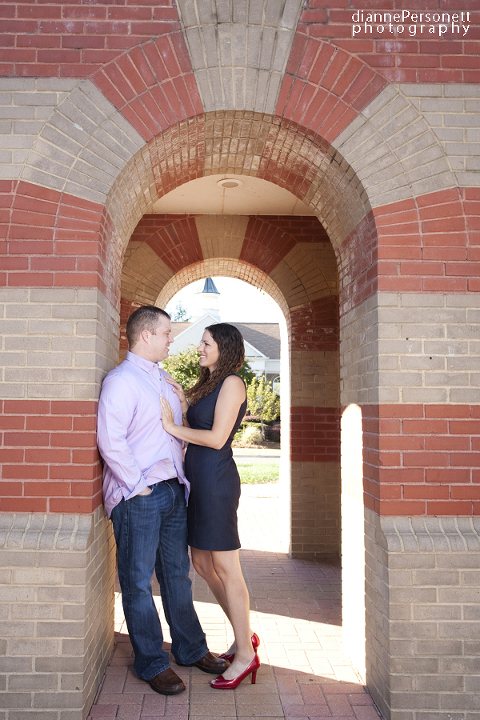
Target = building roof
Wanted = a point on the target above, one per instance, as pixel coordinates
(265, 337)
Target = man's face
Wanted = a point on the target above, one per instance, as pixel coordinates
(159, 343)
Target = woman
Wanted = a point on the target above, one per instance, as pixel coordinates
(217, 406)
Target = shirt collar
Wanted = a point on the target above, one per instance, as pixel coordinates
(146, 365)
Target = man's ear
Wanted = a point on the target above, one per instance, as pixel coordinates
(145, 335)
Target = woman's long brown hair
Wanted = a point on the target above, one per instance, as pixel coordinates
(231, 356)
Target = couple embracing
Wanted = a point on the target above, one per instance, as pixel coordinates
(144, 421)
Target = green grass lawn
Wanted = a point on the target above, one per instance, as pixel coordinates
(257, 473)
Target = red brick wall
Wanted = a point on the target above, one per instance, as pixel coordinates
(50, 239)
(72, 39)
(48, 449)
(403, 59)
(430, 244)
(315, 326)
(315, 434)
(174, 238)
(324, 87)
(152, 85)
(358, 264)
(49, 456)
(422, 459)
(427, 244)
(269, 238)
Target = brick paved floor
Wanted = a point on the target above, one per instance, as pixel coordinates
(296, 611)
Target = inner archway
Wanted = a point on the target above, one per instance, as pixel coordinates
(302, 279)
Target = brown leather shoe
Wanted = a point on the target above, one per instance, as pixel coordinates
(167, 683)
(210, 663)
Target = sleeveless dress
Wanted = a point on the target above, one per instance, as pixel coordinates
(214, 483)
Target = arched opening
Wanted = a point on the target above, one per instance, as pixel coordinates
(307, 272)
(315, 262)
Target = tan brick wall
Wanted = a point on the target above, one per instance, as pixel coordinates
(56, 602)
(422, 616)
(143, 274)
(314, 379)
(409, 347)
(56, 343)
(315, 509)
(394, 151)
(221, 236)
(239, 51)
(66, 135)
(452, 113)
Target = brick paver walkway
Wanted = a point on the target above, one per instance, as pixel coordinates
(295, 609)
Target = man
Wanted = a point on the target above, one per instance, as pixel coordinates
(145, 492)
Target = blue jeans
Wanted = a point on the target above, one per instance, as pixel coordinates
(151, 535)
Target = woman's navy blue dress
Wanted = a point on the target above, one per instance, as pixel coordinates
(214, 483)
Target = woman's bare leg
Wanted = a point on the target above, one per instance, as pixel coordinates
(203, 563)
(228, 570)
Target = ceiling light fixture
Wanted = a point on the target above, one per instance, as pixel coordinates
(229, 183)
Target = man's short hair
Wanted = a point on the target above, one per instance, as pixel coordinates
(144, 318)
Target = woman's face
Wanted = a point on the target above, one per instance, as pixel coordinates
(209, 352)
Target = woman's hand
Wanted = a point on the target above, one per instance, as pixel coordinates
(177, 389)
(167, 414)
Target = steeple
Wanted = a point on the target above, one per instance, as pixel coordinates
(207, 301)
(210, 287)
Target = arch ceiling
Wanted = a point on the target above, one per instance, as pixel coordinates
(290, 258)
(241, 143)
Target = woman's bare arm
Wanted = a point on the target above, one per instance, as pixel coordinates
(230, 398)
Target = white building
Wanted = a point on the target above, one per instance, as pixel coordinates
(262, 340)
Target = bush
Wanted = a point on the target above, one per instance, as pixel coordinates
(252, 435)
(272, 433)
(263, 401)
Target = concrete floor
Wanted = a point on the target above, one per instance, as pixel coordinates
(296, 611)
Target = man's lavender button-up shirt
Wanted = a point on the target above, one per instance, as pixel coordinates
(132, 441)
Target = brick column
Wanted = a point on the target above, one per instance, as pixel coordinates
(315, 448)
(411, 429)
(59, 335)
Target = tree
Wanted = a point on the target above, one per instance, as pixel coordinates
(246, 373)
(262, 401)
(180, 314)
(185, 369)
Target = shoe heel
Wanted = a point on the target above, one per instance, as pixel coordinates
(254, 677)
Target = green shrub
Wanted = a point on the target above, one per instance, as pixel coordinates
(272, 433)
(252, 435)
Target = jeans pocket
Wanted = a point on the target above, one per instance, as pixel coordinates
(145, 494)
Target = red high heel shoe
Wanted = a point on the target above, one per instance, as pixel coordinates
(231, 656)
(221, 684)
